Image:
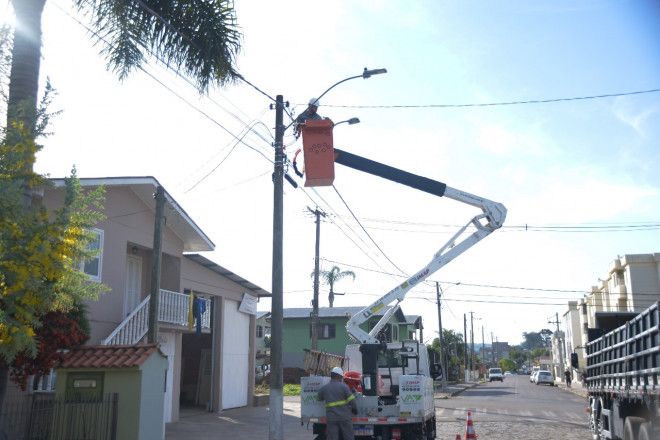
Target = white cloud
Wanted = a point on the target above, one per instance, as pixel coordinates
(633, 116)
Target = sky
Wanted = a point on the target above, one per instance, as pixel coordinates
(569, 172)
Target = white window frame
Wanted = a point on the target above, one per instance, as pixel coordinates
(43, 384)
(395, 332)
(97, 277)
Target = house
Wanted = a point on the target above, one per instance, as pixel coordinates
(632, 284)
(332, 334)
(210, 365)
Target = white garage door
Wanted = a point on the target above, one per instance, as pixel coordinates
(235, 355)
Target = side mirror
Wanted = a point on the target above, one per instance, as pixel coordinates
(436, 371)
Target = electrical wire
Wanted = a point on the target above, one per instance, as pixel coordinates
(495, 104)
(490, 286)
(368, 235)
(152, 76)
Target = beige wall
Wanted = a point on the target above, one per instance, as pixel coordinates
(128, 222)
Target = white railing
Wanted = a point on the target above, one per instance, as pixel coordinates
(173, 309)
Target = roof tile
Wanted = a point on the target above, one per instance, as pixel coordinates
(108, 356)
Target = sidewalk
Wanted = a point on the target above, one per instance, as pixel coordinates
(453, 389)
(576, 388)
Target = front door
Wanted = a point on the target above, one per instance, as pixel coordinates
(133, 283)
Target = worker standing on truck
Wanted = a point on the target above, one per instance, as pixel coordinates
(339, 406)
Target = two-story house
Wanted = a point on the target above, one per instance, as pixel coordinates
(210, 365)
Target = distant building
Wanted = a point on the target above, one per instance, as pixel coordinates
(632, 284)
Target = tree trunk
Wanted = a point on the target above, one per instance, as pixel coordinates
(4, 378)
(331, 297)
(26, 57)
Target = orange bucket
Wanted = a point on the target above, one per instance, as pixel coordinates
(319, 152)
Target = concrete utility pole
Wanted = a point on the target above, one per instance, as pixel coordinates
(276, 401)
(492, 349)
(443, 363)
(152, 332)
(471, 342)
(559, 346)
(465, 346)
(483, 346)
(315, 300)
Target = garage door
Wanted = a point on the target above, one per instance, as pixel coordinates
(235, 355)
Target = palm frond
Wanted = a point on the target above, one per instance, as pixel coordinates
(197, 38)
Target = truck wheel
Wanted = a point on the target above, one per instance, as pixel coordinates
(644, 431)
(631, 428)
(430, 429)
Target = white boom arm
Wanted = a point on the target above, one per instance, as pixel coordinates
(491, 219)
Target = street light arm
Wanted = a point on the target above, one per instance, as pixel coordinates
(366, 74)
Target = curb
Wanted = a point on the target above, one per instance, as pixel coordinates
(456, 392)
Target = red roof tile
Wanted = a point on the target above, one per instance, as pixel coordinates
(108, 356)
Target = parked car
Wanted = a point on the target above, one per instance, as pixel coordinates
(532, 377)
(544, 376)
(495, 374)
(508, 373)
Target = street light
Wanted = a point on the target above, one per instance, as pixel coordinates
(351, 121)
(276, 401)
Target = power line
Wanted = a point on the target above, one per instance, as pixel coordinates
(152, 76)
(368, 235)
(492, 286)
(495, 104)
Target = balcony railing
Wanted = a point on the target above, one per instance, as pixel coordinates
(173, 309)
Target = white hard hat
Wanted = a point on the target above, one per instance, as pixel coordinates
(337, 370)
(315, 102)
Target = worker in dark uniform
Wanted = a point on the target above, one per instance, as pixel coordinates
(569, 377)
(339, 406)
(310, 113)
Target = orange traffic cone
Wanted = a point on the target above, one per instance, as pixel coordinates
(469, 428)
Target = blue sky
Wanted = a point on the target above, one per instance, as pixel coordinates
(587, 162)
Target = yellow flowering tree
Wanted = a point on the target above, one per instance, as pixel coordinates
(40, 251)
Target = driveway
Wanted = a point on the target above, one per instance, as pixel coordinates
(239, 423)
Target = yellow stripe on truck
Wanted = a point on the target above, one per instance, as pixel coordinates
(340, 402)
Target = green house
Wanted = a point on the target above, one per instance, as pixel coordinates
(332, 335)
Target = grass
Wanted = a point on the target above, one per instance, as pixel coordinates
(290, 389)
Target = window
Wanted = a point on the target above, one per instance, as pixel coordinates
(260, 331)
(92, 267)
(45, 383)
(395, 332)
(324, 331)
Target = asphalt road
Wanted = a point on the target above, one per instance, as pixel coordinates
(514, 409)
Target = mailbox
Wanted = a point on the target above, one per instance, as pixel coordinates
(319, 152)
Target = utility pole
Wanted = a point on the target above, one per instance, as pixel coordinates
(152, 332)
(559, 346)
(483, 346)
(438, 291)
(276, 401)
(492, 349)
(315, 300)
(471, 342)
(465, 345)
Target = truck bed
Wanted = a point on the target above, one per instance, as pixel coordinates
(626, 361)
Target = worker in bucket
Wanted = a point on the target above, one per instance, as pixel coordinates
(339, 406)
(309, 113)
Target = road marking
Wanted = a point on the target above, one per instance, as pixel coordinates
(550, 414)
(526, 414)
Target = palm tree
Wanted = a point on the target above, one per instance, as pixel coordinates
(330, 277)
(198, 38)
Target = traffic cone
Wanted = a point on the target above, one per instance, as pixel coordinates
(469, 428)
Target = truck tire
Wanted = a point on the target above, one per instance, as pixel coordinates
(644, 431)
(631, 428)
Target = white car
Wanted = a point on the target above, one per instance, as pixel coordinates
(495, 374)
(532, 377)
(544, 376)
